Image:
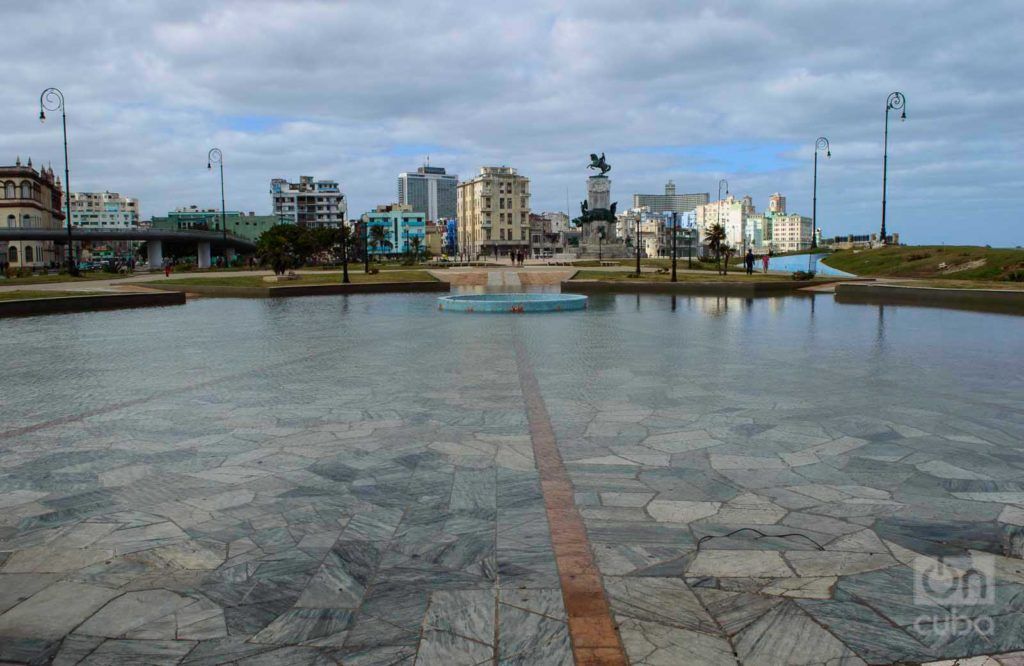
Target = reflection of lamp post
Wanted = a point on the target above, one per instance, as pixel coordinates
(52, 99)
(215, 156)
(897, 101)
(600, 239)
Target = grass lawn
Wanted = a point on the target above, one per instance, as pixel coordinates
(22, 294)
(356, 276)
(44, 279)
(620, 276)
(964, 262)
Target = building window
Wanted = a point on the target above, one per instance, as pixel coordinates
(12, 254)
(28, 254)
(26, 192)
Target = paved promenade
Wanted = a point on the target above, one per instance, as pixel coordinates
(372, 482)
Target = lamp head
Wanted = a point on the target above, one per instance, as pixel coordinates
(903, 115)
(42, 115)
(828, 154)
(209, 166)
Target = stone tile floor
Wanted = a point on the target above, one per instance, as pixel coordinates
(362, 489)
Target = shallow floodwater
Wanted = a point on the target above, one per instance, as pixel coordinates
(797, 346)
(804, 262)
(353, 479)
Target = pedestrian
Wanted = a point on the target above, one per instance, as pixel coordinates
(167, 269)
(749, 261)
(764, 261)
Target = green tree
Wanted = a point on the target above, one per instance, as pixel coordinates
(379, 238)
(715, 237)
(414, 244)
(285, 246)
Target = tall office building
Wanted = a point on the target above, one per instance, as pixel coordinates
(670, 201)
(308, 203)
(494, 212)
(430, 191)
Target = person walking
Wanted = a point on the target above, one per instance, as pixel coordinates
(749, 261)
(764, 261)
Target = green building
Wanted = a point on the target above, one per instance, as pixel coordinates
(244, 225)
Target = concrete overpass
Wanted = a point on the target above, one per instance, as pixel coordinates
(154, 239)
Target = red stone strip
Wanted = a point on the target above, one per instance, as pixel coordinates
(595, 639)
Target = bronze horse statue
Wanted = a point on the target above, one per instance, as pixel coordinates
(599, 163)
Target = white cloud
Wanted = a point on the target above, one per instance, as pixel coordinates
(692, 91)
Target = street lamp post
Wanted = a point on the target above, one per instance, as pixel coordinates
(821, 143)
(673, 246)
(638, 245)
(52, 99)
(215, 156)
(895, 101)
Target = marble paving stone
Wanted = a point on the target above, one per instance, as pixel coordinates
(132, 610)
(157, 653)
(529, 638)
(441, 647)
(739, 564)
(304, 624)
(465, 613)
(54, 611)
(787, 635)
(341, 580)
(660, 600)
(655, 644)
(678, 511)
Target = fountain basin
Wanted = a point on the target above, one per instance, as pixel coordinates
(512, 303)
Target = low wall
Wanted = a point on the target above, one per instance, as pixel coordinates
(985, 300)
(88, 303)
(361, 288)
(286, 291)
(742, 289)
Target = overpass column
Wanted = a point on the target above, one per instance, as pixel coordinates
(156, 253)
(203, 254)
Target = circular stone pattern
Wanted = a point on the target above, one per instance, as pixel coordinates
(512, 302)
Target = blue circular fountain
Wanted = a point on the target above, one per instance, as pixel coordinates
(513, 303)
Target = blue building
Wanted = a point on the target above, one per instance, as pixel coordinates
(401, 225)
(451, 231)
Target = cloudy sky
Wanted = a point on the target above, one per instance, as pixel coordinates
(688, 91)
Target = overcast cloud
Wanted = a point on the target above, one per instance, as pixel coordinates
(692, 91)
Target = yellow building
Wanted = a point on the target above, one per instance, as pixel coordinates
(494, 213)
(29, 199)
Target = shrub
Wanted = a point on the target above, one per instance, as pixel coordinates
(1015, 276)
(803, 275)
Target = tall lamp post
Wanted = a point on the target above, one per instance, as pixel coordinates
(52, 99)
(638, 244)
(215, 156)
(821, 143)
(674, 230)
(896, 101)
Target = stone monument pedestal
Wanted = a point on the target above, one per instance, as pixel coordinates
(598, 237)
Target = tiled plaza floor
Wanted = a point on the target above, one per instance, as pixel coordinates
(354, 480)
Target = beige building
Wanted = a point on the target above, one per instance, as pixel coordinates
(494, 213)
(732, 214)
(30, 199)
(790, 233)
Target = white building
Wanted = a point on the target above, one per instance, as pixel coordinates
(494, 212)
(104, 210)
(790, 233)
(430, 191)
(309, 203)
(732, 214)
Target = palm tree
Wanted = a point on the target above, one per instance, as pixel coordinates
(347, 240)
(379, 238)
(415, 243)
(715, 237)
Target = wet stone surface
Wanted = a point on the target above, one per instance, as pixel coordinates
(352, 480)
